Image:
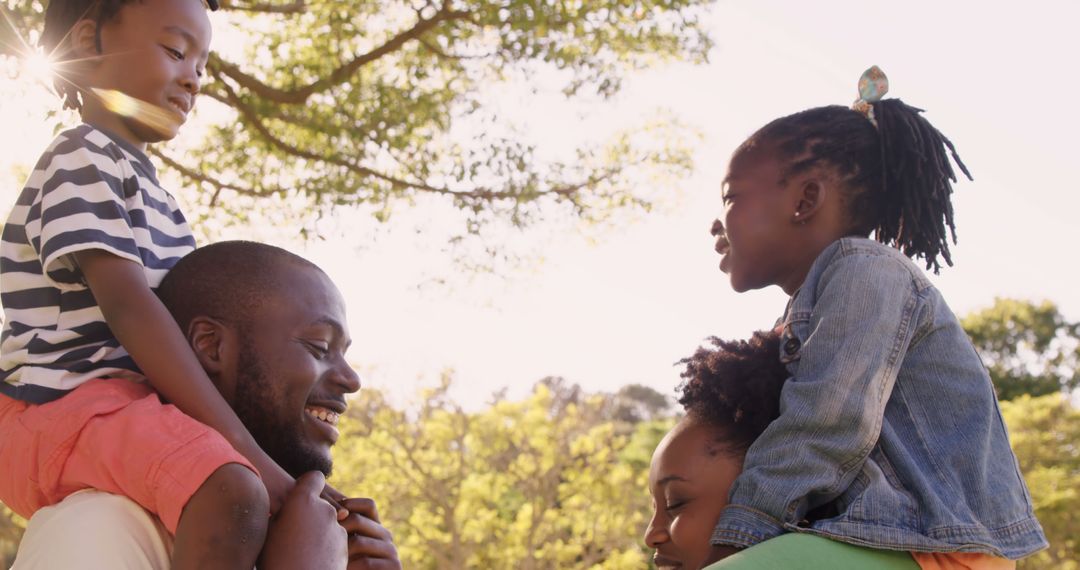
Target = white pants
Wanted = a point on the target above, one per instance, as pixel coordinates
(92, 530)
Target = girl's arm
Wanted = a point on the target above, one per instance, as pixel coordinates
(146, 329)
(847, 352)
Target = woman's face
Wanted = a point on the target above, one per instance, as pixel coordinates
(689, 479)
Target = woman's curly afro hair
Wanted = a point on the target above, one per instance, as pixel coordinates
(735, 386)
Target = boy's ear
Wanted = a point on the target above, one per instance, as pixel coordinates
(83, 40)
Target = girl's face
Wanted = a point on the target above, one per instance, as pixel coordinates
(757, 241)
(689, 480)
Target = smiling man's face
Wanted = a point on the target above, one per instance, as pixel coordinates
(292, 376)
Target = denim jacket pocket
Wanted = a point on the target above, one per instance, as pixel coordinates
(883, 499)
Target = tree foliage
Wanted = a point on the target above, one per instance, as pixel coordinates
(1028, 347)
(383, 103)
(547, 482)
(1045, 434)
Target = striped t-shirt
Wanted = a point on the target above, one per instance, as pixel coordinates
(90, 190)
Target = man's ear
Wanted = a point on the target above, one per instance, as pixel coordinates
(215, 346)
(811, 196)
(207, 337)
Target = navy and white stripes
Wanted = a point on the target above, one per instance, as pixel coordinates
(88, 191)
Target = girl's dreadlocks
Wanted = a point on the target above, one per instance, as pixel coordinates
(735, 386)
(897, 176)
(60, 17)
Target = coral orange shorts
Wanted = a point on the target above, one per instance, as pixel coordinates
(109, 434)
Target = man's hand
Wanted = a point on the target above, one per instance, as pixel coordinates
(336, 499)
(718, 553)
(371, 546)
(305, 532)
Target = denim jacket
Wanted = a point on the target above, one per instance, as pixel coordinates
(889, 433)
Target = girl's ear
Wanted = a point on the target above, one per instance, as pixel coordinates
(812, 194)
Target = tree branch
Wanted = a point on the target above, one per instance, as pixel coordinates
(251, 116)
(442, 54)
(295, 7)
(200, 177)
(341, 74)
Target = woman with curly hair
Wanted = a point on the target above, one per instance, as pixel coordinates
(730, 394)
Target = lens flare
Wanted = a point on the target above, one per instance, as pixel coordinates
(39, 67)
(162, 121)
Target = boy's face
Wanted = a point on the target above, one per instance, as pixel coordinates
(154, 51)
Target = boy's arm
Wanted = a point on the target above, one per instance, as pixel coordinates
(849, 356)
(146, 329)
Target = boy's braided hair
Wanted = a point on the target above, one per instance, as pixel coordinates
(735, 386)
(61, 16)
(897, 177)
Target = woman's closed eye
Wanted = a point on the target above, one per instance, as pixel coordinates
(675, 505)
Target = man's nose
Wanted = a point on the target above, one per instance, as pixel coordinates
(347, 377)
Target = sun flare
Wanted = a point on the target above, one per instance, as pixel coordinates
(39, 67)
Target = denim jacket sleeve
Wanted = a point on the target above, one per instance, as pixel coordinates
(844, 341)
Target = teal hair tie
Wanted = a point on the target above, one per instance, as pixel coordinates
(873, 85)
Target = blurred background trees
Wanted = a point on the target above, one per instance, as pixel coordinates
(1028, 347)
(556, 480)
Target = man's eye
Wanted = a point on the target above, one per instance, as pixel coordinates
(728, 198)
(319, 349)
(175, 54)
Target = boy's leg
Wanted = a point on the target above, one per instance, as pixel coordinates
(224, 523)
(182, 471)
(797, 551)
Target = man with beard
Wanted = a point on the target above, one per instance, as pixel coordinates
(269, 329)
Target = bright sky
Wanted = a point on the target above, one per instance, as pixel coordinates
(997, 78)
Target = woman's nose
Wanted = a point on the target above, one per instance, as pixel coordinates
(656, 533)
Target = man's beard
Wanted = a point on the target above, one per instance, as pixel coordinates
(278, 432)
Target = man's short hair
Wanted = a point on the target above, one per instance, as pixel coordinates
(227, 281)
